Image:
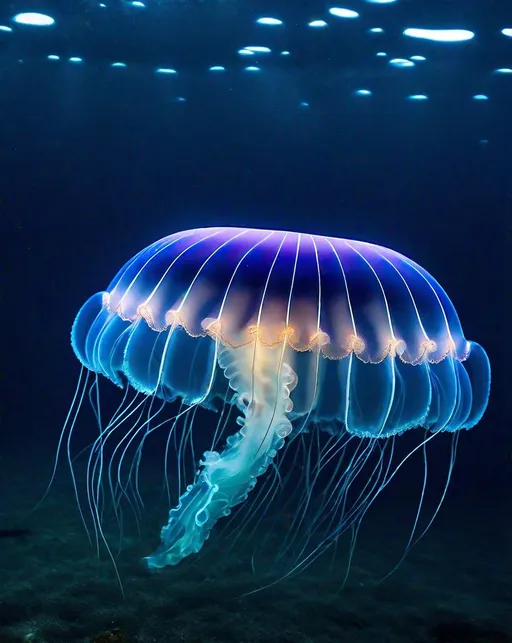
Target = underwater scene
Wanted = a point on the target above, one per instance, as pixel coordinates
(256, 307)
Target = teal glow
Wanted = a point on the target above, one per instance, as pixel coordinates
(317, 24)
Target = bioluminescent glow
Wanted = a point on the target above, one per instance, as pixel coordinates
(507, 32)
(258, 49)
(252, 68)
(401, 63)
(272, 22)
(217, 68)
(284, 53)
(363, 92)
(138, 4)
(166, 71)
(245, 52)
(317, 24)
(418, 97)
(480, 97)
(118, 64)
(53, 57)
(503, 70)
(381, 1)
(376, 30)
(75, 59)
(34, 19)
(304, 104)
(5, 28)
(440, 35)
(418, 58)
(296, 349)
(381, 54)
(343, 13)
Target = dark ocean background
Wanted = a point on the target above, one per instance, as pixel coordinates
(96, 163)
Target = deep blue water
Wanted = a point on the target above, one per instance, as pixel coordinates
(96, 162)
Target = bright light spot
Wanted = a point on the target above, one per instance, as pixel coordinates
(245, 52)
(440, 35)
(363, 92)
(285, 53)
(343, 13)
(166, 70)
(381, 54)
(34, 19)
(137, 3)
(418, 97)
(258, 50)
(4, 28)
(304, 104)
(376, 30)
(75, 59)
(53, 57)
(503, 70)
(421, 58)
(181, 99)
(507, 32)
(401, 62)
(102, 5)
(118, 65)
(317, 24)
(269, 21)
(217, 68)
(480, 97)
(380, 1)
(252, 68)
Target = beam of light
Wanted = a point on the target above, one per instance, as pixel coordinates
(34, 19)
(257, 49)
(272, 22)
(401, 63)
(343, 13)
(440, 35)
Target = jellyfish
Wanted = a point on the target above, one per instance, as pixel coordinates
(300, 336)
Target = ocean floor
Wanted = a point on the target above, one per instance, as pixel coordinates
(454, 587)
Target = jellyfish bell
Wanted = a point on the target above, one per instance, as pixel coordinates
(296, 332)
